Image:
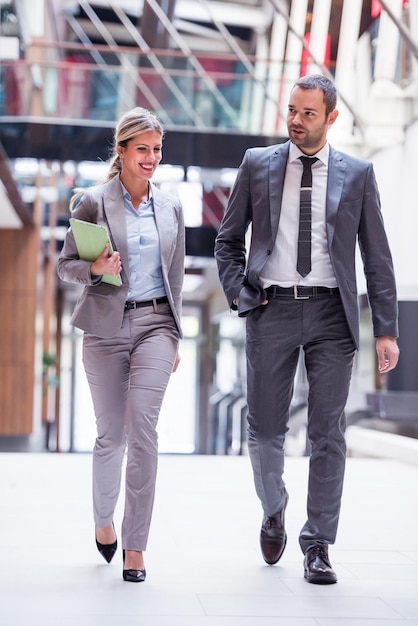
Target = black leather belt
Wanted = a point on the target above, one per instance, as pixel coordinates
(131, 304)
(299, 292)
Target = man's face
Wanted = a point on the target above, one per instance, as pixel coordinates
(307, 121)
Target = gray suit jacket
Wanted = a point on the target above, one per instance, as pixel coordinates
(100, 308)
(352, 215)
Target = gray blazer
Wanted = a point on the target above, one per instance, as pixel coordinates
(352, 214)
(100, 308)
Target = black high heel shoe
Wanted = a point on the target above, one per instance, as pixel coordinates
(133, 575)
(107, 550)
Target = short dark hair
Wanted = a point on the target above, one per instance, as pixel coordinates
(318, 81)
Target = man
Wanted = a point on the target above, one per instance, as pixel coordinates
(314, 307)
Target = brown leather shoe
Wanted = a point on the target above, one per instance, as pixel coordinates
(273, 536)
(317, 567)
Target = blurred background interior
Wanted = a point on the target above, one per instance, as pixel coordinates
(218, 74)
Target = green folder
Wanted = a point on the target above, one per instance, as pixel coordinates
(91, 239)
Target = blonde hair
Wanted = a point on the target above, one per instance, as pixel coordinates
(131, 124)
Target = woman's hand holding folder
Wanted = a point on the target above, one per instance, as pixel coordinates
(106, 264)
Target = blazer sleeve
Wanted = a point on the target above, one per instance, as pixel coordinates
(377, 262)
(100, 306)
(230, 245)
(70, 267)
(175, 266)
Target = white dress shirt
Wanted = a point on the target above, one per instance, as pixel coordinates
(280, 268)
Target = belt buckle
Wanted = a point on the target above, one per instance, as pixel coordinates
(296, 296)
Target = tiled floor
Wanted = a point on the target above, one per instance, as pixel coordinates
(203, 561)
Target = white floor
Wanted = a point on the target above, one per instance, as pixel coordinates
(203, 561)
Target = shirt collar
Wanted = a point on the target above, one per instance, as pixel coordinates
(126, 193)
(322, 155)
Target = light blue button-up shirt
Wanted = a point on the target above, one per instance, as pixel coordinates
(145, 273)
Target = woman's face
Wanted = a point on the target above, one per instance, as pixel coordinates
(141, 156)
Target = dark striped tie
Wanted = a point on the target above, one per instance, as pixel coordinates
(303, 265)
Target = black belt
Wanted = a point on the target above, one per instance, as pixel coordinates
(131, 304)
(300, 292)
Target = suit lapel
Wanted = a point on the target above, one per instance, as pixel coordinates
(114, 210)
(277, 171)
(336, 174)
(164, 223)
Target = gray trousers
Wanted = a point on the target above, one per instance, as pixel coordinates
(275, 333)
(128, 375)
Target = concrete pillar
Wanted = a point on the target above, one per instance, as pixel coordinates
(319, 32)
(387, 44)
(345, 70)
(293, 57)
(274, 80)
(152, 29)
(256, 110)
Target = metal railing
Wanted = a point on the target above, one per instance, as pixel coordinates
(97, 83)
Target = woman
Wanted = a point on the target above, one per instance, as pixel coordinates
(131, 332)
